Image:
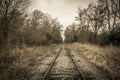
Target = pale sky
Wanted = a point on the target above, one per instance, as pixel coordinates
(64, 10)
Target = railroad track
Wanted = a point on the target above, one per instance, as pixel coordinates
(68, 50)
(52, 64)
(75, 64)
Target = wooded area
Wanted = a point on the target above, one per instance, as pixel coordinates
(30, 39)
(19, 27)
(98, 23)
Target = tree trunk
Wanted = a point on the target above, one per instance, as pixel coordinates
(108, 15)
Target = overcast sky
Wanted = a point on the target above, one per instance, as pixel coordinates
(65, 10)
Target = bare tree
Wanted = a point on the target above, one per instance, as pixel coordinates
(42, 28)
(8, 11)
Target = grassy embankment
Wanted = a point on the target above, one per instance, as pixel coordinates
(17, 64)
(106, 58)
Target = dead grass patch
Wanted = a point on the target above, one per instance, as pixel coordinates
(18, 63)
(106, 58)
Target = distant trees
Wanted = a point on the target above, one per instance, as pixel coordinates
(40, 29)
(98, 23)
(70, 33)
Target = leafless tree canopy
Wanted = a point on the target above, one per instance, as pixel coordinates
(18, 28)
(97, 23)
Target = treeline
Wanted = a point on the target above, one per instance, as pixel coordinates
(41, 29)
(19, 27)
(98, 24)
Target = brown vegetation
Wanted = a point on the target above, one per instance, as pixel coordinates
(18, 64)
(98, 23)
(105, 58)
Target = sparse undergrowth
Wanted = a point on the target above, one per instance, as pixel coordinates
(106, 58)
(18, 63)
(10, 71)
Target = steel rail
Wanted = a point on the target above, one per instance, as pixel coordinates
(75, 63)
(52, 64)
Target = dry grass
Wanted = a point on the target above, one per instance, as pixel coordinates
(106, 58)
(18, 63)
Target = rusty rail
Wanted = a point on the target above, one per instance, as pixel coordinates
(52, 64)
(75, 63)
